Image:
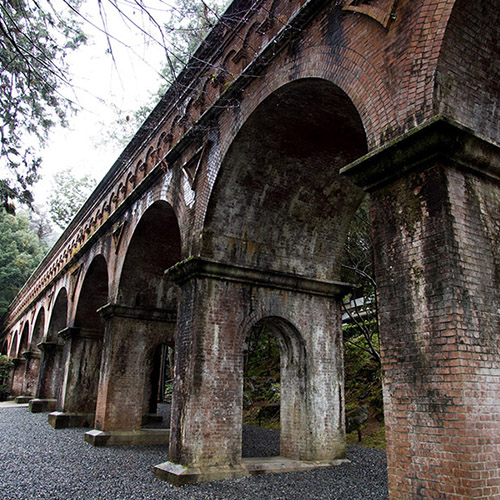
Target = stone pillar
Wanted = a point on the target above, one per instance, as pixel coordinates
(77, 398)
(217, 301)
(132, 336)
(17, 376)
(49, 376)
(32, 367)
(436, 211)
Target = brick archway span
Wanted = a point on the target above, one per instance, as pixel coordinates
(278, 198)
(12, 341)
(58, 315)
(466, 83)
(94, 294)
(38, 328)
(24, 339)
(154, 246)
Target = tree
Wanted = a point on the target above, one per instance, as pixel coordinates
(21, 250)
(68, 196)
(360, 307)
(35, 39)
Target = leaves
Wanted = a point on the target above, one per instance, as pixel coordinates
(68, 195)
(21, 250)
(34, 42)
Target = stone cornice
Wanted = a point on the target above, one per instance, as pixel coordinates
(197, 267)
(31, 354)
(81, 333)
(437, 140)
(110, 311)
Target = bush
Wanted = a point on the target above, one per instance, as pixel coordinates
(5, 368)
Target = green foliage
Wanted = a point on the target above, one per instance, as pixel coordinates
(5, 367)
(68, 196)
(20, 252)
(34, 41)
(363, 377)
(262, 373)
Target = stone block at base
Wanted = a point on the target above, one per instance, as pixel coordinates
(61, 420)
(128, 438)
(179, 475)
(21, 400)
(42, 405)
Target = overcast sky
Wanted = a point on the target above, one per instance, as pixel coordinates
(99, 86)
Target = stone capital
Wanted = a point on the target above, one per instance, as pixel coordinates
(198, 267)
(110, 311)
(438, 140)
(48, 346)
(68, 333)
(31, 354)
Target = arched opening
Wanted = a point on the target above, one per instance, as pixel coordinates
(51, 364)
(142, 323)
(38, 330)
(23, 345)
(155, 246)
(33, 355)
(284, 389)
(279, 202)
(83, 349)
(19, 372)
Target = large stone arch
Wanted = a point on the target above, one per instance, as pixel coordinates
(278, 201)
(83, 348)
(20, 361)
(472, 101)
(51, 364)
(140, 322)
(38, 329)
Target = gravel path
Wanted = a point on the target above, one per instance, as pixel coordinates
(38, 462)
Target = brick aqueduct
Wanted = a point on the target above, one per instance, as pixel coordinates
(230, 208)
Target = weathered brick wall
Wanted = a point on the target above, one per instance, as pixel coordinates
(468, 75)
(438, 280)
(207, 415)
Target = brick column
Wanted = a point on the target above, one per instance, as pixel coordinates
(17, 376)
(132, 335)
(50, 370)
(218, 307)
(82, 360)
(31, 370)
(436, 212)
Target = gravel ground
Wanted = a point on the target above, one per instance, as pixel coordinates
(38, 462)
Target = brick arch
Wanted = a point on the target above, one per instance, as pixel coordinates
(13, 341)
(264, 179)
(154, 245)
(58, 315)
(293, 376)
(467, 75)
(38, 328)
(23, 341)
(93, 294)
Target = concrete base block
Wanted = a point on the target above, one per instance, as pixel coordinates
(42, 405)
(127, 438)
(61, 420)
(20, 400)
(179, 475)
(151, 418)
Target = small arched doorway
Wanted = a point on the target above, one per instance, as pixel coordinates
(276, 338)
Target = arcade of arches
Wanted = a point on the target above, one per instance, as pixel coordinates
(230, 209)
